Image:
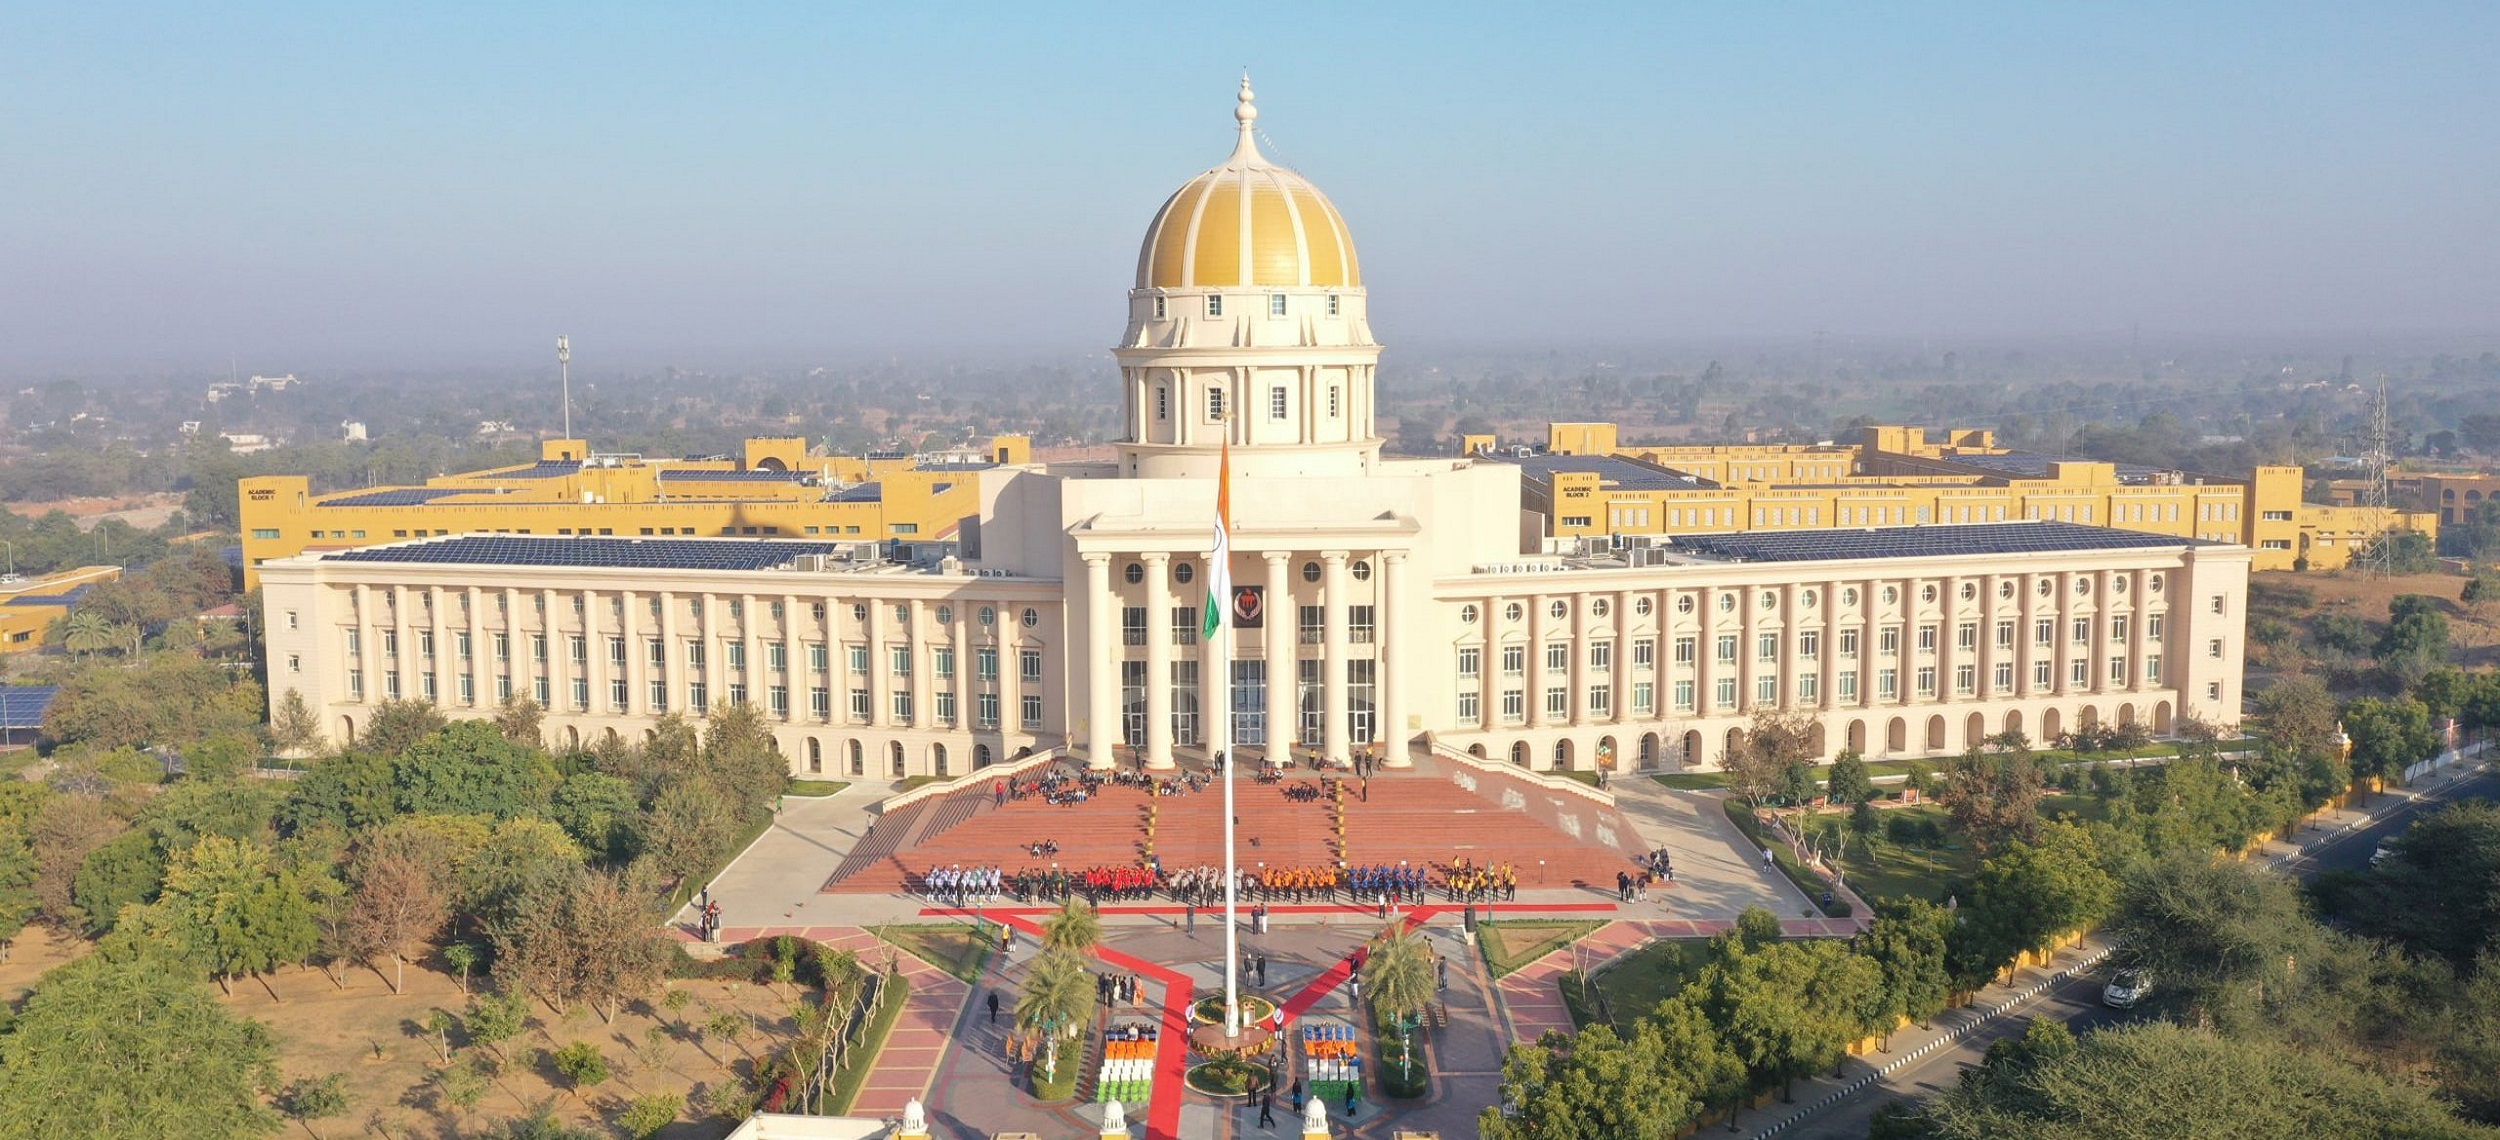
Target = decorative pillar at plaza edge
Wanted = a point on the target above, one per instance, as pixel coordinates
(1102, 665)
(1277, 636)
(1333, 591)
(1395, 735)
(1158, 660)
(1215, 694)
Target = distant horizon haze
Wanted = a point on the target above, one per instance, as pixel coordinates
(291, 187)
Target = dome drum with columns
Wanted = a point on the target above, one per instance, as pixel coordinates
(1248, 320)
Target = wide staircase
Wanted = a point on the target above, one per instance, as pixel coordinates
(1422, 817)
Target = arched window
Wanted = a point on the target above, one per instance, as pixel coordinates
(895, 750)
(815, 755)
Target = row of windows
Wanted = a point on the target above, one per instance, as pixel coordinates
(698, 702)
(1277, 402)
(1807, 689)
(1278, 305)
(1808, 598)
(735, 608)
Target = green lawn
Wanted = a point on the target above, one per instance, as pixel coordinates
(1908, 868)
(1507, 946)
(814, 787)
(2083, 806)
(954, 947)
(1638, 981)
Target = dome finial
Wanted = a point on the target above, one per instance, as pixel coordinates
(1246, 112)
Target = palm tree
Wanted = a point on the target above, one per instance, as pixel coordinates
(1058, 997)
(1077, 927)
(1399, 974)
(87, 632)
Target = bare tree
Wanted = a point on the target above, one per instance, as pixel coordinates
(397, 909)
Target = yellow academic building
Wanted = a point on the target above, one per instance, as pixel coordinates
(1586, 485)
(775, 488)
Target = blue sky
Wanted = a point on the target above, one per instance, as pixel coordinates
(337, 185)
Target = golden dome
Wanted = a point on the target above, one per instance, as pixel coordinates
(1247, 223)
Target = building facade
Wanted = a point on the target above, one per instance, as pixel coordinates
(1378, 604)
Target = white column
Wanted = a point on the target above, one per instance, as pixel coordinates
(478, 648)
(672, 652)
(1158, 660)
(1333, 592)
(1622, 706)
(750, 634)
(1102, 655)
(1214, 690)
(1390, 676)
(1280, 634)
(1010, 675)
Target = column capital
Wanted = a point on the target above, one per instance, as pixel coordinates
(1096, 558)
(1334, 558)
(1393, 557)
(1276, 557)
(1156, 557)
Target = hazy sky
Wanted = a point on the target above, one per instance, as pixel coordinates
(366, 185)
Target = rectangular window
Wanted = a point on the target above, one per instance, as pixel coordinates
(1766, 690)
(356, 683)
(1557, 702)
(1810, 645)
(1683, 696)
(1847, 683)
(390, 644)
(1727, 649)
(1966, 679)
(1766, 647)
(355, 642)
(1215, 304)
(1276, 402)
(1601, 700)
(1332, 403)
(1514, 660)
(1332, 304)
(616, 653)
(2040, 679)
(1644, 698)
(859, 704)
(946, 708)
(2083, 630)
(577, 648)
(2213, 649)
(1557, 656)
(581, 694)
(1470, 706)
(1644, 653)
(1162, 309)
(1163, 398)
(820, 702)
(657, 651)
(737, 693)
(539, 692)
(2152, 669)
(1888, 641)
(1514, 706)
(1029, 666)
(1601, 655)
(1966, 635)
(816, 656)
(1685, 649)
(985, 710)
(2044, 633)
(1725, 694)
(1927, 640)
(617, 694)
(2152, 628)
(1809, 687)
(777, 656)
(2079, 672)
(985, 664)
(1887, 684)
(1925, 679)
(1848, 643)
(2005, 635)
(900, 658)
(2118, 670)
(902, 706)
(503, 687)
(2004, 676)
(1361, 624)
(1215, 404)
(857, 653)
(1470, 662)
(942, 662)
(2118, 629)
(2219, 607)
(1311, 624)
(1031, 710)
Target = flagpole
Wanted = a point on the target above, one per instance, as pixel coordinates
(1219, 582)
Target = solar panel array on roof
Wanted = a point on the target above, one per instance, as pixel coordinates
(397, 497)
(1619, 474)
(726, 476)
(64, 598)
(543, 469)
(1920, 542)
(627, 553)
(863, 493)
(23, 706)
(2033, 465)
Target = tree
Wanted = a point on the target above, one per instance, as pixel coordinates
(131, 1048)
(1994, 796)
(599, 812)
(1909, 942)
(124, 870)
(615, 928)
(493, 1019)
(1793, 1008)
(1077, 927)
(462, 957)
(1598, 1086)
(2405, 551)
(352, 791)
(88, 633)
(293, 729)
(1770, 755)
(1848, 781)
(235, 913)
(67, 829)
(398, 906)
(519, 719)
(728, 1025)
(2207, 927)
(468, 768)
(2441, 892)
(2298, 715)
(1057, 1001)
(2390, 735)
(583, 1066)
(398, 725)
(1757, 927)
(1401, 980)
(648, 1114)
(2029, 894)
(2156, 1078)
(311, 1099)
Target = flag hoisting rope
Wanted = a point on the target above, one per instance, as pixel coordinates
(1219, 603)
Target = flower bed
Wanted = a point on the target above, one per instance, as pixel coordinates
(1332, 1060)
(1128, 1067)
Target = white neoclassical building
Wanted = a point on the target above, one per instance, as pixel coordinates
(1378, 602)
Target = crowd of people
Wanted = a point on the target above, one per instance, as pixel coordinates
(1399, 884)
(1496, 882)
(958, 885)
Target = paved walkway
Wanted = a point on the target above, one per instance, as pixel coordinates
(1718, 871)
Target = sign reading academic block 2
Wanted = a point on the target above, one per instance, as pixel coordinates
(1249, 607)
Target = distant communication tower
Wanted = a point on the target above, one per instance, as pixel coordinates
(564, 369)
(2378, 556)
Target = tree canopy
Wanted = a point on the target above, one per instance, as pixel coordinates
(131, 1049)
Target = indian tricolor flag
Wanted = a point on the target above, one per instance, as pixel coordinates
(1220, 564)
